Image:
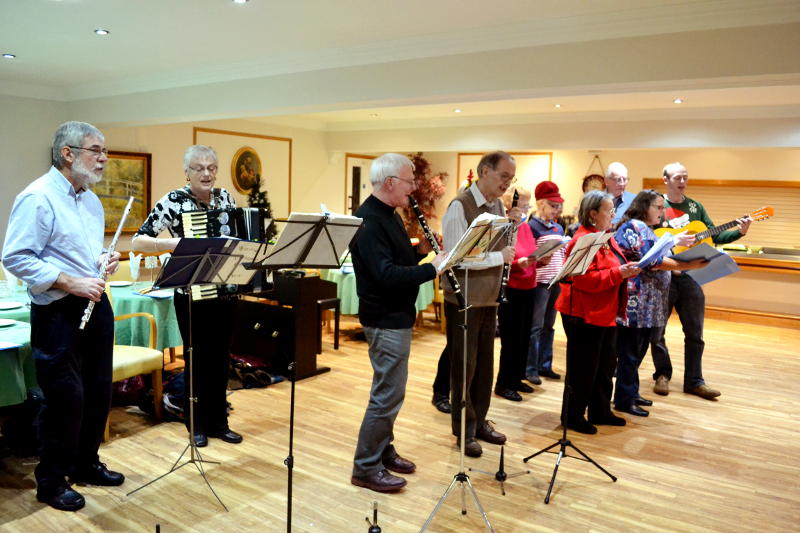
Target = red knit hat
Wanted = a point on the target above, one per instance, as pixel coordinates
(547, 190)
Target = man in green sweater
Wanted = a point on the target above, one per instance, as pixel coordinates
(685, 295)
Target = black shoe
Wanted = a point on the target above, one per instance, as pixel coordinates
(381, 481)
(441, 402)
(522, 387)
(533, 378)
(632, 409)
(548, 373)
(62, 498)
(581, 426)
(227, 435)
(97, 474)
(200, 439)
(608, 420)
(643, 401)
(472, 447)
(509, 394)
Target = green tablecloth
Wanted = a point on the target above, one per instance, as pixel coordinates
(346, 291)
(17, 369)
(136, 331)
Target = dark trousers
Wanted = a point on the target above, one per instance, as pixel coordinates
(591, 358)
(540, 350)
(389, 350)
(441, 383)
(74, 369)
(632, 344)
(212, 328)
(687, 298)
(481, 323)
(515, 334)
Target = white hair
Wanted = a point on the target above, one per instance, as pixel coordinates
(387, 165)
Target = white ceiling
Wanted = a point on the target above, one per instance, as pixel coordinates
(163, 44)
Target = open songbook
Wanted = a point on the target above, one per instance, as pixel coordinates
(548, 248)
(482, 233)
(580, 258)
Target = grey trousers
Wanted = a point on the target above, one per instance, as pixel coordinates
(388, 352)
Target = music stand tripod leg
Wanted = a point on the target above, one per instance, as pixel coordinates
(461, 477)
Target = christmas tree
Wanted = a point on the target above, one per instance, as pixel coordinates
(258, 198)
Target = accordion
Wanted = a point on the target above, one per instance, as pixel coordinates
(249, 223)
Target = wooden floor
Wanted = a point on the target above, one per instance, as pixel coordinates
(693, 465)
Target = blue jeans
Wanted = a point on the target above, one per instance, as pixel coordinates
(388, 352)
(687, 298)
(540, 349)
(632, 344)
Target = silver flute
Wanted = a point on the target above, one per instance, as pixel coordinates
(501, 298)
(462, 304)
(87, 314)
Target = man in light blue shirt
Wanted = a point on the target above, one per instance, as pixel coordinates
(54, 243)
(616, 180)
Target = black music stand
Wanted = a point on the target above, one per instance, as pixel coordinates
(311, 241)
(473, 239)
(583, 253)
(198, 261)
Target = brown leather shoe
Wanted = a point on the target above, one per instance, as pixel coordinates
(487, 432)
(662, 385)
(381, 481)
(472, 448)
(704, 391)
(399, 465)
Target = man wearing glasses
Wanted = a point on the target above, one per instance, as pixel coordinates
(496, 172)
(212, 319)
(616, 180)
(388, 277)
(54, 243)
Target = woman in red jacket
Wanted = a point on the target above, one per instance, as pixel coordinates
(589, 305)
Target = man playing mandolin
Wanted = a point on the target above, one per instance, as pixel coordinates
(685, 295)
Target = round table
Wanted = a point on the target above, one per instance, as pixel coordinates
(17, 369)
(346, 291)
(136, 331)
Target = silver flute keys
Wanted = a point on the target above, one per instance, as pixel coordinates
(462, 304)
(87, 314)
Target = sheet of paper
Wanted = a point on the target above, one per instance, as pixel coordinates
(720, 266)
(700, 251)
(472, 244)
(548, 248)
(661, 248)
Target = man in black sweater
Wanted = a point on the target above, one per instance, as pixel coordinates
(387, 281)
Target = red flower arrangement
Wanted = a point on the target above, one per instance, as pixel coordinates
(430, 188)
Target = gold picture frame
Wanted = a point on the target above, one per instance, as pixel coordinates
(126, 174)
(245, 169)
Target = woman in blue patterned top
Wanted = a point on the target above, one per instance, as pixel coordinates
(647, 296)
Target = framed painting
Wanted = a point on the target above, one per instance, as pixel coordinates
(245, 169)
(126, 174)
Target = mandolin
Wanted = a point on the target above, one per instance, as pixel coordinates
(702, 233)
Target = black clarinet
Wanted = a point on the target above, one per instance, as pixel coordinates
(462, 304)
(501, 298)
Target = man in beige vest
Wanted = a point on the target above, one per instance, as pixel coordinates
(496, 172)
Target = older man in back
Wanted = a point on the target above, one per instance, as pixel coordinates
(616, 180)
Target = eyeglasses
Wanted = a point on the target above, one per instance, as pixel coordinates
(212, 169)
(619, 179)
(412, 182)
(94, 150)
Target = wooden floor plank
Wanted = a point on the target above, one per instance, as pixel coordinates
(729, 465)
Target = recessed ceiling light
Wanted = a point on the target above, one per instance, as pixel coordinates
(456, 111)
(240, 1)
(677, 101)
(373, 114)
(557, 106)
(101, 31)
(9, 56)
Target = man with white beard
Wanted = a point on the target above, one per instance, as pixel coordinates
(54, 243)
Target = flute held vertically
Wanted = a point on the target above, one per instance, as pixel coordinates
(507, 266)
(462, 304)
(87, 314)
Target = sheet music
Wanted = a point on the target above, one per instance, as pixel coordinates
(659, 249)
(326, 250)
(548, 248)
(579, 259)
(474, 242)
(232, 270)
